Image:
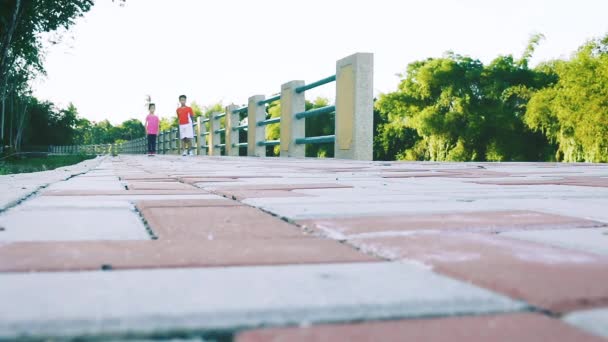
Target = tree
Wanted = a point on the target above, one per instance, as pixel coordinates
(573, 112)
(131, 129)
(461, 110)
(22, 23)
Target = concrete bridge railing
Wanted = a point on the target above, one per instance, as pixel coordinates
(353, 110)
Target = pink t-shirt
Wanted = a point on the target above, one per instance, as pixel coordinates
(152, 124)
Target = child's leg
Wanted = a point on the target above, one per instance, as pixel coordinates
(153, 149)
(150, 143)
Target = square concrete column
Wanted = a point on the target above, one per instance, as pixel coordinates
(197, 132)
(292, 128)
(255, 133)
(214, 125)
(174, 141)
(232, 137)
(355, 107)
(201, 130)
(167, 142)
(161, 138)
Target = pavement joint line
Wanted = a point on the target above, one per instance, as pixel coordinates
(149, 229)
(302, 227)
(305, 229)
(36, 192)
(194, 335)
(23, 199)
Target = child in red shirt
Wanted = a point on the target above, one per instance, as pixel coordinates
(185, 117)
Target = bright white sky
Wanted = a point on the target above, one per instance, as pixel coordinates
(229, 50)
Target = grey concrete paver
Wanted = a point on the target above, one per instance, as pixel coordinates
(72, 224)
(593, 321)
(209, 299)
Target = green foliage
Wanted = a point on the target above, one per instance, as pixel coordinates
(24, 28)
(25, 165)
(273, 132)
(392, 137)
(573, 112)
(315, 126)
(455, 108)
(318, 126)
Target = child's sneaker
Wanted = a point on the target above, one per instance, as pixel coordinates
(185, 153)
(190, 153)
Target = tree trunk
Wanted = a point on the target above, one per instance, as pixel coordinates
(12, 117)
(4, 66)
(5, 47)
(20, 128)
(2, 123)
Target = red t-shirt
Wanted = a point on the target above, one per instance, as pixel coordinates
(184, 115)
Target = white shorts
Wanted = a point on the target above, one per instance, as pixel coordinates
(186, 131)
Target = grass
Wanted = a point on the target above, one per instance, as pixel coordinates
(35, 164)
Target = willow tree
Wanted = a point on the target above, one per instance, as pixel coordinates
(573, 112)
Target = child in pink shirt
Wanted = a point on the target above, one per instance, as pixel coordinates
(152, 124)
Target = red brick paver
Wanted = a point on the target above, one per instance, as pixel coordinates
(92, 255)
(483, 221)
(237, 222)
(190, 191)
(148, 204)
(552, 278)
(503, 328)
(158, 186)
(600, 182)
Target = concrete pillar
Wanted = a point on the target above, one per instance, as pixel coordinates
(175, 141)
(355, 107)
(199, 138)
(255, 133)
(214, 125)
(203, 144)
(232, 137)
(292, 128)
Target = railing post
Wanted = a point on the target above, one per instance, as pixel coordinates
(255, 133)
(214, 125)
(203, 145)
(355, 107)
(167, 142)
(232, 137)
(292, 128)
(199, 137)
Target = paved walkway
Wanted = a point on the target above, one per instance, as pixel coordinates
(251, 249)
